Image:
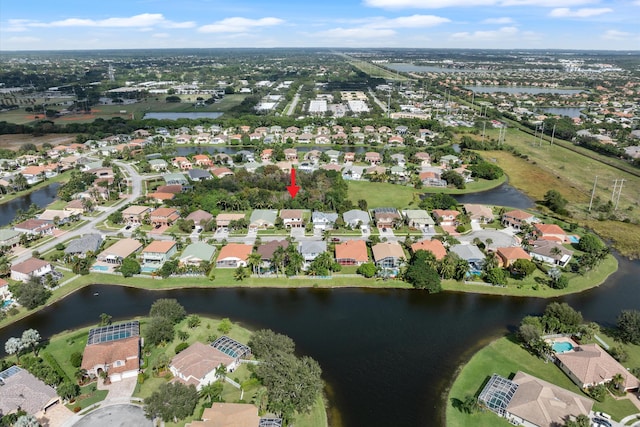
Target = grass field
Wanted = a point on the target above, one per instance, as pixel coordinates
(505, 357)
(155, 104)
(378, 194)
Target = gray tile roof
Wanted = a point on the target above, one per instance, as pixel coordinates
(88, 242)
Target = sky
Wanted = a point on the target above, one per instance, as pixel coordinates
(488, 24)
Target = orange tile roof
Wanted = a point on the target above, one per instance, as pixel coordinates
(161, 196)
(549, 229)
(434, 246)
(164, 212)
(127, 349)
(518, 214)
(352, 249)
(513, 252)
(29, 266)
(160, 246)
(235, 250)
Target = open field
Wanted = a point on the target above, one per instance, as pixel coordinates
(150, 104)
(15, 141)
(505, 357)
(376, 71)
(378, 194)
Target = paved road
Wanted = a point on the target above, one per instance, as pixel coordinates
(90, 227)
(294, 103)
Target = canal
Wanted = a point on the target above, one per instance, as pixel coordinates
(41, 198)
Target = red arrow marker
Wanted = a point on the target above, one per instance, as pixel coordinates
(293, 188)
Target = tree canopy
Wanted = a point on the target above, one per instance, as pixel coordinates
(168, 308)
(171, 401)
(421, 272)
(628, 324)
(265, 342)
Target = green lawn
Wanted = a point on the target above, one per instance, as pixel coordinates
(530, 288)
(378, 194)
(88, 396)
(505, 357)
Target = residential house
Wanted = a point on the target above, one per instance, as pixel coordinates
(158, 252)
(158, 165)
(57, 216)
(386, 217)
(478, 214)
(420, 219)
(182, 163)
(550, 252)
(529, 401)
(589, 365)
(324, 220)
(517, 218)
(160, 197)
(261, 219)
(197, 364)
(388, 255)
(356, 218)
(9, 238)
(431, 178)
(75, 207)
(470, 253)
(175, 178)
(349, 157)
(399, 159)
(119, 358)
(87, 244)
(221, 172)
(266, 251)
(352, 252)
(549, 232)
(233, 255)
(334, 155)
(199, 175)
(163, 216)
(233, 415)
(21, 391)
(35, 227)
(372, 157)
(266, 155)
(353, 172)
(509, 255)
(135, 214)
(292, 218)
(449, 161)
(434, 246)
(290, 154)
(5, 293)
(311, 249)
(396, 140)
(196, 253)
(446, 217)
(172, 188)
(33, 174)
(422, 158)
(224, 219)
(199, 218)
(32, 267)
(120, 250)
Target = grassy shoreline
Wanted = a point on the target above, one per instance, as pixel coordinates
(505, 357)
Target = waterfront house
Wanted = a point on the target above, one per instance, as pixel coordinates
(434, 246)
(196, 253)
(87, 244)
(549, 232)
(351, 252)
(9, 238)
(35, 227)
(233, 255)
(509, 255)
(388, 255)
(589, 365)
(114, 350)
(478, 214)
(21, 391)
(266, 251)
(517, 218)
(372, 158)
(529, 401)
(120, 250)
(32, 267)
(158, 252)
(311, 249)
(470, 253)
(550, 252)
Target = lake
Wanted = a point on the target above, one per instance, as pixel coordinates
(41, 197)
(520, 89)
(176, 115)
(388, 355)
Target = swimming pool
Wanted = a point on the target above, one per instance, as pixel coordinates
(6, 303)
(100, 268)
(574, 239)
(562, 347)
(148, 269)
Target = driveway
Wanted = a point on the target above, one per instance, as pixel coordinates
(115, 416)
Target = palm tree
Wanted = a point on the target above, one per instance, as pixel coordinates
(254, 260)
(555, 251)
(278, 258)
(617, 381)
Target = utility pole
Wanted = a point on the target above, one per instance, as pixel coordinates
(619, 193)
(541, 134)
(553, 133)
(615, 188)
(484, 125)
(593, 192)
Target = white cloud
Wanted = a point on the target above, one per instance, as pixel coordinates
(143, 20)
(503, 20)
(616, 35)
(25, 39)
(357, 33)
(413, 21)
(161, 35)
(565, 12)
(437, 4)
(239, 25)
(486, 35)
